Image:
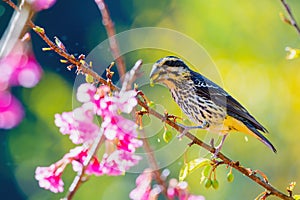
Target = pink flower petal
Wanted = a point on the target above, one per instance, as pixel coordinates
(39, 5)
(78, 156)
(49, 178)
(11, 111)
(143, 186)
(86, 92)
(78, 124)
(118, 162)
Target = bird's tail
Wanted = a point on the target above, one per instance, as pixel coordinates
(247, 127)
(253, 131)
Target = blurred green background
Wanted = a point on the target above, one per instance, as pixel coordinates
(246, 41)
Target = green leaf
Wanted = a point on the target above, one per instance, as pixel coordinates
(167, 136)
(197, 163)
(183, 172)
(206, 170)
(192, 166)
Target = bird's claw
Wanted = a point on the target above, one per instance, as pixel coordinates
(180, 136)
(217, 148)
(204, 125)
(212, 143)
(187, 128)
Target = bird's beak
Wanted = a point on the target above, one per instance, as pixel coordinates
(154, 75)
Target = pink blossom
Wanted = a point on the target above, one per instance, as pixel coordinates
(196, 197)
(145, 177)
(125, 101)
(120, 134)
(105, 106)
(118, 162)
(19, 68)
(78, 124)
(50, 178)
(127, 159)
(86, 93)
(176, 189)
(27, 73)
(94, 167)
(108, 105)
(123, 131)
(39, 5)
(180, 190)
(110, 166)
(143, 186)
(116, 128)
(128, 143)
(78, 156)
(11, 111)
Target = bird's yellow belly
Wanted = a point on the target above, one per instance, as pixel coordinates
(219, 128)
(228, 124)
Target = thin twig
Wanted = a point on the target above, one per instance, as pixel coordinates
(11, 4)
(291, 16)
(113, 43)
(85, 69)
(78, 180)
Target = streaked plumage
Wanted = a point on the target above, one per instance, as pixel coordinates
(204, 102)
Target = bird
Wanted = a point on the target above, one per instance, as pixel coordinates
(204, 102)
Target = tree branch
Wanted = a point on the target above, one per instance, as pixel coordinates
(113, 43)
(84, 68)
(291, 20)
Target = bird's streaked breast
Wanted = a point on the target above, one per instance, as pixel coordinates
(199, 109)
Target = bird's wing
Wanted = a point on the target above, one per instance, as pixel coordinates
(209, 90)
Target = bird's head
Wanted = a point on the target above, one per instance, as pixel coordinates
(169, 71)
